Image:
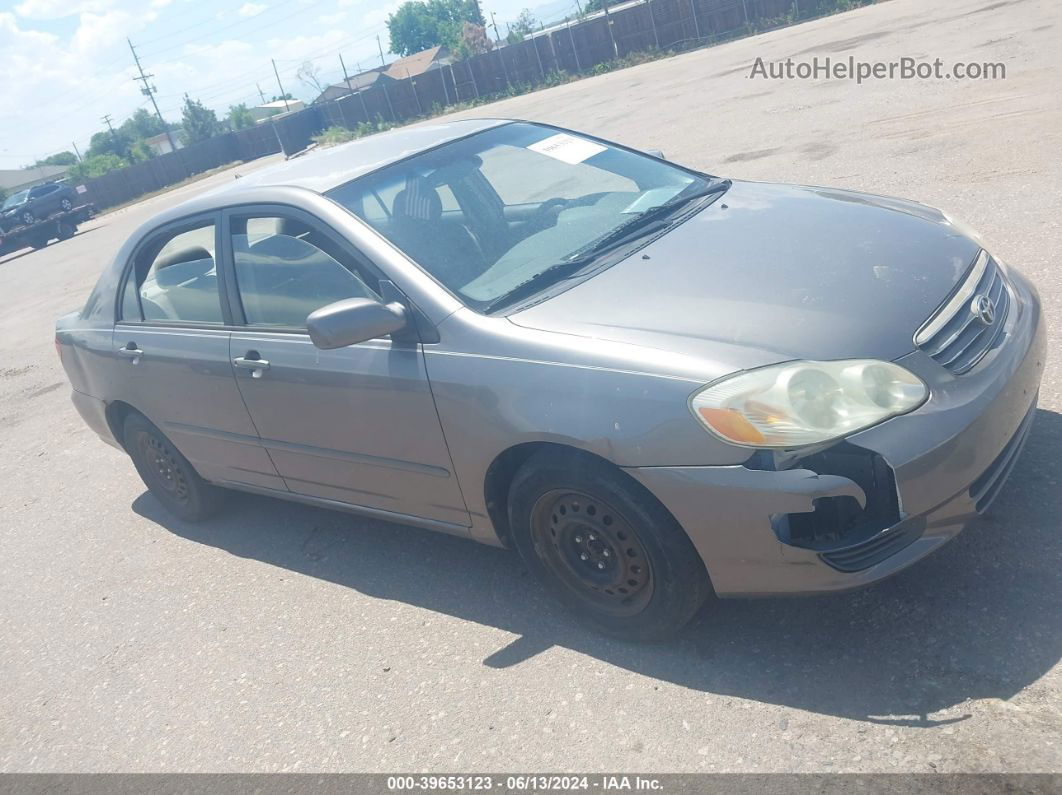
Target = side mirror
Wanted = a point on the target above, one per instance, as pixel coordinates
(354, 320)
(655, 153)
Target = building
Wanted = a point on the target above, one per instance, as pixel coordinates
(418, 63)
(160, 144)
(359, 82)
(276, 108)
(14, 180)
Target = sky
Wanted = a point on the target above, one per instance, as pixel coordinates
(66, 63)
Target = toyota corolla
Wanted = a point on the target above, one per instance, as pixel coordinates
(652, 382)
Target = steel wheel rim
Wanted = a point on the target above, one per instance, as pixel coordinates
(164, 467)
(66, 205)
(593, 550)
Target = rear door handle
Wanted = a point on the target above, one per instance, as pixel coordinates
(131, 352)
(256, 366)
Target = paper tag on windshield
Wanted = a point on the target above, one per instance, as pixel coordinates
(567, 148)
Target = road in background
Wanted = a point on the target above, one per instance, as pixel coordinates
(280, 637)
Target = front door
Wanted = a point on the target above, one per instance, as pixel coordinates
(171, 356)
(358, 424)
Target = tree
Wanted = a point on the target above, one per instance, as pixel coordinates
(106, 142)
(282, 97)
(96, 166)
(594, 5)
(420, 24)
(311, 76)
(199, 123)
(474, 41)
(239, 117)
(58, 159)
(523, 26)
(142, 125)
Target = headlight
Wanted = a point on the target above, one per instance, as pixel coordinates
(802, 403)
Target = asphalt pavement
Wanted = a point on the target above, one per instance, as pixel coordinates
(285, 638)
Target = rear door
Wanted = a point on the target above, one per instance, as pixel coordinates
(358, 424)
(171, 343)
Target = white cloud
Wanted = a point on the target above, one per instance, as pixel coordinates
(251, 9)
(58, 9)
(97, 32)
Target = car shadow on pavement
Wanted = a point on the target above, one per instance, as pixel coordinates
(978, 619)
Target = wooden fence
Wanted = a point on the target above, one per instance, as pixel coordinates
(576, 47)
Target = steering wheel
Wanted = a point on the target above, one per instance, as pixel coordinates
(546, 214)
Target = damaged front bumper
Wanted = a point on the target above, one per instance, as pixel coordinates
(874, 504)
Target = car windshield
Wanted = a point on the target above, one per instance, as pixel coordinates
(17, 199)
(516, 207)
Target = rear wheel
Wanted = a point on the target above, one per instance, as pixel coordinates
(66, 204)
(65, 231)
(168, 474)
(605, 547)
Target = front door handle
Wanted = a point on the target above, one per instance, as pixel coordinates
(255, 365)
(131, 352)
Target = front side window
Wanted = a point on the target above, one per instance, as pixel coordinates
(513, 206)
(177, 278)
(286, 269)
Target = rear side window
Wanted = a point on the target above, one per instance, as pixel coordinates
(179, 282)
(286, 269)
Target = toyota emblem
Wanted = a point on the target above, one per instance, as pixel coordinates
(984, 309)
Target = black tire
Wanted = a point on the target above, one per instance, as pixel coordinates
(39, 242)
(605, 547)
(168, 474)
(65, 231)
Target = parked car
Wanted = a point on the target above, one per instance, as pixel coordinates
(652, 382)
(36, 204)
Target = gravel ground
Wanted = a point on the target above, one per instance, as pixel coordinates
(285, 638)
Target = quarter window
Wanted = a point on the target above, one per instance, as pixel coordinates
(180, 282)
(286, 269)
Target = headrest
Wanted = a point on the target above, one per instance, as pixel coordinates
(418, 200)
(192, 254)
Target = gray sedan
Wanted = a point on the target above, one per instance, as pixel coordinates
(651, 382)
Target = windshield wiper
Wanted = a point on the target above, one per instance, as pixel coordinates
(551, 275)
(651, 220)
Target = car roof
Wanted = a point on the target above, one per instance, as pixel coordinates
(325, 169)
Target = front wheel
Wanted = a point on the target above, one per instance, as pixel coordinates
(28, 218)
(167, 474)
(605, 547)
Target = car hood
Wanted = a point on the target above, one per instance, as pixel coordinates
(789, 271)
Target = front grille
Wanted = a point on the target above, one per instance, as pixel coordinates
(987, 487)
(956, 336)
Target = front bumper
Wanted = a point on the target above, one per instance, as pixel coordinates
(948, 459)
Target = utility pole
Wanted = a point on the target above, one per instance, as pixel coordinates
(117, 143)
(77, 152)
(346, 77)
(350, 91)
(261, 93)
(494, 22)
(611, 36)
(382, 61)
(283, 94)
(149, 91)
